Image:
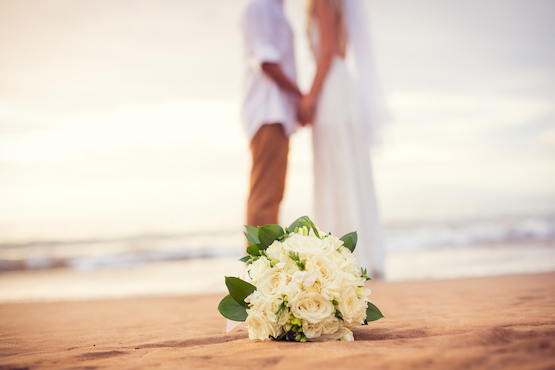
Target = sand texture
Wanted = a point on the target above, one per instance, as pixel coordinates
(505, 322)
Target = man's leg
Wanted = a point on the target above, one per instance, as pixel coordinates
(269, 149)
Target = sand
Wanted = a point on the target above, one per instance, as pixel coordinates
(503, 322)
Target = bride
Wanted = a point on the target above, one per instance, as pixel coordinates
(343, 126)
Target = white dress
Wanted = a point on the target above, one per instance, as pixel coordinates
(344, 196)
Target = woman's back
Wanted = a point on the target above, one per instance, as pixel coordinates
(339, 46)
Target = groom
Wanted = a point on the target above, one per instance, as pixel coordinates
(269, 110)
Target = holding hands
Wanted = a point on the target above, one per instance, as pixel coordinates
(306, 109)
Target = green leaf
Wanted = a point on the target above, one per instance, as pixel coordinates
(347, 242)
(372, 313)
(249, 238)
(364, 274)
(253, 232)
(239, 289)
(300, 262)
(244, 259)
(297, 223)
(254, 250)
(279, 312)
(252, 260)
(232, 310)
(268, 233)
(350, 241)
(306, 221)
(282, 336)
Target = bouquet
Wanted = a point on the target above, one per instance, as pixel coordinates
(301, 285)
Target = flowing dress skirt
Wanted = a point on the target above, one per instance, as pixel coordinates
(345, 198)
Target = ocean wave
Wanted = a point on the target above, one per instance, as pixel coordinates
(86, 255)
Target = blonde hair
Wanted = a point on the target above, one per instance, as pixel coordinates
(337, 5)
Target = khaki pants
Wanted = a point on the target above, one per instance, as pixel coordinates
(269, 149)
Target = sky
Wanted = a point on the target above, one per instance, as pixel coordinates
(121, 117)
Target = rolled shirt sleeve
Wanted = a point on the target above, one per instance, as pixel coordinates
(261, 37)
(267, 37)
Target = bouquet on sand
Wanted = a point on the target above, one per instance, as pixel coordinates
(301, 285)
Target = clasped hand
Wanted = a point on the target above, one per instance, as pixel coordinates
(306, 109)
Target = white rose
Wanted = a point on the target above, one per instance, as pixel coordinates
(259, 327)
(351, 277)
(303, 245)
(349, 263)
(359, 316)
(292, 291)
(310, 306)
(312, 330)
(270, 306)
(254, 299)
(275, 252)
(337, 258)
(330, 291)
(350, 307)
(363, 292)
(342, 333)
(346, 335)
(290, 268)
(328, 273)
(335, 241)
(257, 268)
(271, 282)
(317, 288)
(331, 325)
(305, 278)
(330, 244)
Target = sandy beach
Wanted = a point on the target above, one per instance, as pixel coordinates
(492, 322)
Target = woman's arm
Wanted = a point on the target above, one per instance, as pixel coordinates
(328, 42)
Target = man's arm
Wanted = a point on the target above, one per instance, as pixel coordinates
(273, 70)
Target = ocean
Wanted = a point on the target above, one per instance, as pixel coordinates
(103, 253)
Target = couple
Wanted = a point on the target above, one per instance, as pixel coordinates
(344, 198)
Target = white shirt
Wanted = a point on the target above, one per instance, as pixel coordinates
(268, 38)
